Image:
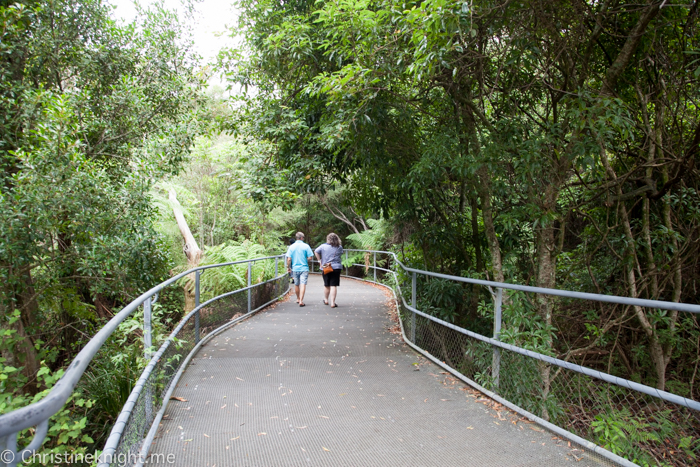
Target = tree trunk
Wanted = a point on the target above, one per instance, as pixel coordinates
(476, 289)
(24, 353)
(546, 278)
(625, 55)
(656, 350)
(191, 250)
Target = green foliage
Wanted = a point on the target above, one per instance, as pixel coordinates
(502, 140)
(227, 192)
(522, 326)
(227, 278)
(92, 114)
(67, 428)
(374, 238)
(622, 433)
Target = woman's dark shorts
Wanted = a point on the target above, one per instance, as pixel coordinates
(332, 279)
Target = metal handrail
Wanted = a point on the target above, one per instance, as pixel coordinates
(664, 395)
(108, 453)
(39, 412)
(553, 428)
(664, 305)
(497, 345)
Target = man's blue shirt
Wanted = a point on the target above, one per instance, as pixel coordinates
(299, 252)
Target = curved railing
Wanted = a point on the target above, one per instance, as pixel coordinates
(572, 395)
(511, 375)
(127, 444)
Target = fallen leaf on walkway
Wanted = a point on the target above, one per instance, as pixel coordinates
(223, 406)
(323, 416)
(301, 427)
(470, 428)
(262, 434)
(175, 398)
(238, 378)
(179, 427)
(207, 435)
(232, 439)
(496, 423)
(426, 400)
(187, 440)
(326, 449)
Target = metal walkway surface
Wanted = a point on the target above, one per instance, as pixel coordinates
(316, 386)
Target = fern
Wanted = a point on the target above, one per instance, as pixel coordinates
(370, 239)
(216, 281)
(373, 238)
(625, 434)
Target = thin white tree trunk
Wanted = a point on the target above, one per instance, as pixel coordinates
(191, 250)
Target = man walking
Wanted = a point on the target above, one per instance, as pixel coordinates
(298, 256)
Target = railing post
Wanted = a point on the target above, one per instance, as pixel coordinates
(147, 344)
(413, 304)
(347, 268)
(250, 272)
(496, 366)
(374, 257)
(277, 261)
(196, 304)
(147, 336)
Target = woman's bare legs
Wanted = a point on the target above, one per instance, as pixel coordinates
(331, 296)
(326, 291)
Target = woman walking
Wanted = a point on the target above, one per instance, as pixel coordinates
(329, 254)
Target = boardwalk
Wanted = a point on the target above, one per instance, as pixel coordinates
(316, 386)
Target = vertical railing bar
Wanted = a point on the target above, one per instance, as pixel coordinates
(277, 262)
(374, 255)
(413, 304)
(196, 304)
(147, 344)
(250, 271)
(496, 366)
(147, 328)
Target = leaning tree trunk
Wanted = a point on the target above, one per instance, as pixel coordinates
(191, 250)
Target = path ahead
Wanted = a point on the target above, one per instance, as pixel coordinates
(316, 386)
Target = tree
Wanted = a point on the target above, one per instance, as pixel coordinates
(91, 114)
(540, 129)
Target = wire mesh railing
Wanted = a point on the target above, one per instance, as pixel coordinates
(620, 420)
(588, 406)
(252, 284)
